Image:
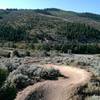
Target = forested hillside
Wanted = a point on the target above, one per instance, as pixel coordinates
(50, 29)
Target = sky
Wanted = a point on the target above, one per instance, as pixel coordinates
(69, 5)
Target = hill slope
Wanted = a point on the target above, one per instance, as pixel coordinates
(50, 29)
(87, 18)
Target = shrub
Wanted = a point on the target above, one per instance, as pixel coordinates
(23, 76)
(21, 81)
(40, 53)
(50, 74)
(10, 66)
(91, 91)
(30, 74)
(94, 97)
(3, 75)
(8, 92)
(27, 53)
(4, 53)
(16, 53)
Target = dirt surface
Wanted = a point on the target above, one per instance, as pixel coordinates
(61, 89)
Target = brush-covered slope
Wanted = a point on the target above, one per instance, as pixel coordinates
(50, 29)
(87, 18)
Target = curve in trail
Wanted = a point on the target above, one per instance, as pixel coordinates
(61, 89)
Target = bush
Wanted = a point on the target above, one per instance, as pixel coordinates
(8, 92)
(23, 76)
(10, 66)
(30, 74)
(27, 53)
(3, 75)
(4, 53)
(16, 53)
(92, 90)
(94, 97)
(50, 74)
(21, 81)
(40, 53)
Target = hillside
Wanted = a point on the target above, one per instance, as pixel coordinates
(50, 29)
(87, 18)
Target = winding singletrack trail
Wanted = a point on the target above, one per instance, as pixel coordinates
(61, 89)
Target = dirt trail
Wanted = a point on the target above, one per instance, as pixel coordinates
(62, 89)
